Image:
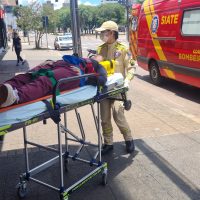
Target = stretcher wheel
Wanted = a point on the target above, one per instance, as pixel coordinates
(127, 105)
(22, 191)
(104, 178)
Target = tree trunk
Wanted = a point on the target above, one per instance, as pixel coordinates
(37, 39)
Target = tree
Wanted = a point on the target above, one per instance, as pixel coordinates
(30, 18)
(88, 18)
(140, 1)
(63, 19)
(23, 15)
(114, 12)
(52, 18)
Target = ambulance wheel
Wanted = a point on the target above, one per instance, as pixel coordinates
(155, 73)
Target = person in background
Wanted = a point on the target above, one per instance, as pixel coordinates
(18, 48)
(111, 49)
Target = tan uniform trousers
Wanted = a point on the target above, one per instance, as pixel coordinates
(106, 107)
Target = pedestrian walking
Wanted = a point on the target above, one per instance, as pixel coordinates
(18, 47)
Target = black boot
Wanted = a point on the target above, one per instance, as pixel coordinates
(130, 147)
(106, 148)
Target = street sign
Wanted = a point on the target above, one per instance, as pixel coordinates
(45, 21)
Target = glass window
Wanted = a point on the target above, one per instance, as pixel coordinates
(65, 38)
(191, 22)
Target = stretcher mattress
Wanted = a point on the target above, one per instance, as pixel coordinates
(26, 112)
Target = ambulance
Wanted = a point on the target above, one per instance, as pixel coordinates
(168, 40)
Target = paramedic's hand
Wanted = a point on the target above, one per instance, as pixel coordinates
(126, 83)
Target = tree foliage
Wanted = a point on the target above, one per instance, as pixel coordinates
(114, 12)
(30, 18)
(140, 1)
(63, 19)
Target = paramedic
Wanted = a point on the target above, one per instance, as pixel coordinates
(39, 81)
(112, 49)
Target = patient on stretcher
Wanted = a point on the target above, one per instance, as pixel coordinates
(39, 81)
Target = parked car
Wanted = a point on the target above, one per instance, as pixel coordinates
(67, 34)
(63, 42)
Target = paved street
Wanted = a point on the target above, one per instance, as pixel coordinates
(166, 126)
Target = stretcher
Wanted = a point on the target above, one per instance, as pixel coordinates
(25, 115)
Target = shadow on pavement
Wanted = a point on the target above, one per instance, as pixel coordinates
(13, 165)
(178, 178)
(8, 69)
(183, 90)
(123, 175)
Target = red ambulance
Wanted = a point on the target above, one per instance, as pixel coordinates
(169, 40)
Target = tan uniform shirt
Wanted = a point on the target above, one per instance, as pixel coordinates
(121, 55)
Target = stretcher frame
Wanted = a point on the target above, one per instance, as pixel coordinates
(62, 157)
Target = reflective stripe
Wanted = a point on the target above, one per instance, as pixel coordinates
(150, 12)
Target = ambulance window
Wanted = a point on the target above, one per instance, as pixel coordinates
(191, 22)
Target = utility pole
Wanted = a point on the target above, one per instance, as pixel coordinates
(46, 33)
(45, 24)
(127, 20)
(75, 27)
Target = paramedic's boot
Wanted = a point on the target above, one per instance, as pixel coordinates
(130, 147)
(106, 148)
(8, 95)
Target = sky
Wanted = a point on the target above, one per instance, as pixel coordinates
(85, 2)
(90, 2)
(58, 4)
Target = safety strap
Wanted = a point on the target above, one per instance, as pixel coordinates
(54, 113)
(46, 72)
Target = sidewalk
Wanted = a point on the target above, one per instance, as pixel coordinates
(162, 168)
(8, 66)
